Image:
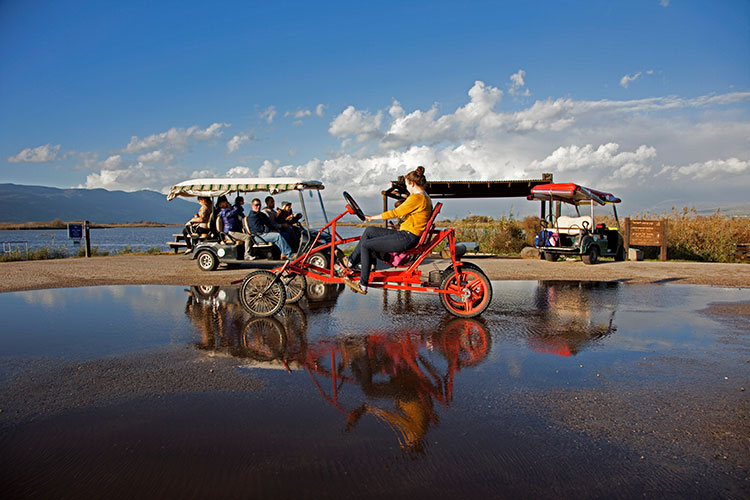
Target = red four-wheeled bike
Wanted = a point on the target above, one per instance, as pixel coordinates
(464, 289)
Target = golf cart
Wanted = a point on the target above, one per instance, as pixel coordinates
(576, 234)
(217, 247)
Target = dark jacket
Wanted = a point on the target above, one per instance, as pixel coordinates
(259, 223)
(232, 218)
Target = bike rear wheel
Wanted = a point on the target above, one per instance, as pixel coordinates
(469, 291)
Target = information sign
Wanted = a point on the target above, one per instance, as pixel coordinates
(75, 231)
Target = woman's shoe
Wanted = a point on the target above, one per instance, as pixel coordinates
(355, 285)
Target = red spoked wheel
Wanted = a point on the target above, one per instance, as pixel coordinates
(469, 291)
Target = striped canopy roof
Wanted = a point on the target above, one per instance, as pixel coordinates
(218, 187)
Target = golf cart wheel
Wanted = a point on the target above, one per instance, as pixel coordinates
(207, 261)
(592, 257)
(295, 286)
(261, 294)
(620, 255)
(551, 257)
(318, 259)
(469, 292)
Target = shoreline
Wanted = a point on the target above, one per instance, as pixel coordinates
(170, 269)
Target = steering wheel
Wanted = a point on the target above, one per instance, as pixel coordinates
(353, 205)
(548, 222)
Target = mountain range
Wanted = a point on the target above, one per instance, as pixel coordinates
(19, 203)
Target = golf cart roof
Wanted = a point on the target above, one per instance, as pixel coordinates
(218, 186)
(570, 193)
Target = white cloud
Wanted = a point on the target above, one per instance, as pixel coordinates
(157, 156)
(635, 148)
(709, 169)
(239, 171)
(587, 163)
(41, 154)
(300, 113)
(132, 178)
(517, 84)
(176, 139)
(626, 80)
(360, 124)
(664, 3)
(113, 162)
(235, 142)
(320, 110)
(268, 114)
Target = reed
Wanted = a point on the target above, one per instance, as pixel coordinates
(690, 236)
(39, 253)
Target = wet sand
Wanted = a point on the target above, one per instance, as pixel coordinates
(181, 270)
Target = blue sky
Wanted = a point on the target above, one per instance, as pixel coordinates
(649, 99)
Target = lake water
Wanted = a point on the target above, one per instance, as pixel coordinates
(559, 389)
(112, 239)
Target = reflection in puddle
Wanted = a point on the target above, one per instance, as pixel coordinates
(394, 376)
(559, 388)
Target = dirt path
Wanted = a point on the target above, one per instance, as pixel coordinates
(180, 270)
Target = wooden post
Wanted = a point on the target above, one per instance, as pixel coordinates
(626, 237)
(663, 253)
(86, 238)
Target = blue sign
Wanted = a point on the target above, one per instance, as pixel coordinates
(75, 231)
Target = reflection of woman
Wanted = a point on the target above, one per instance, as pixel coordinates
(414, 212)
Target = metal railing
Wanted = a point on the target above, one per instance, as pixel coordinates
(8, 247)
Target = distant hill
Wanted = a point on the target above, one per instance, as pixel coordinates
(20, 203)
(738, 210)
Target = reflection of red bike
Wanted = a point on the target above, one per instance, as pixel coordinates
(464, 289)
(410, 368)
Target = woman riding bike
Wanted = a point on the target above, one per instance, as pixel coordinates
(414, 213)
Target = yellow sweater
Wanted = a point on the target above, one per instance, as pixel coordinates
(414, 213)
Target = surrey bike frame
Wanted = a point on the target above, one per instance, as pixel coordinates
(406, 279)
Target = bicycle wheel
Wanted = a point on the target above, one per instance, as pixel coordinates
(295, 285)
(261, 294)
(470, 291)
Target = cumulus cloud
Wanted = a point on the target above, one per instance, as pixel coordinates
(709, 169)
(235, 142)
(630, 147)
(517, 84)
(41, 154)
(113, 162)
(176, 139)
(268, 114)
(239, 171)
(157, 156)
(361, 124)
(132, 178)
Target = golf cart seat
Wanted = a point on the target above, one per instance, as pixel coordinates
(574, 225)
(259, 241)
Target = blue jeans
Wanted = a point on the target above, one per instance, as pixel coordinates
(279, 240)
(379, 239)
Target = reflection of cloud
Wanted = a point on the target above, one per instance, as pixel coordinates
(139, 298)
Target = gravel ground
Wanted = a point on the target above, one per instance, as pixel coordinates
(181, 270)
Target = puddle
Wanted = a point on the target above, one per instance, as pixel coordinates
(559, 388)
